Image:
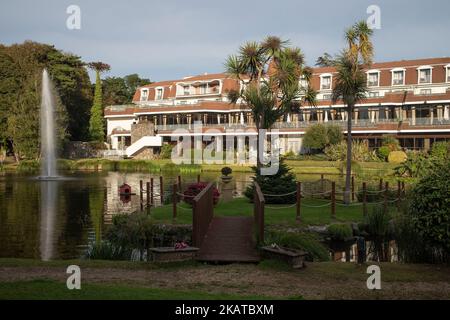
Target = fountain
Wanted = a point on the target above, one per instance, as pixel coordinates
(48, 153)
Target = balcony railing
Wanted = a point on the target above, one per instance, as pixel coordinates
(360, 123)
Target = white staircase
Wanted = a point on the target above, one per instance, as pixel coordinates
(147, 141)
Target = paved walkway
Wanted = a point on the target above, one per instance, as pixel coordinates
(229, 239)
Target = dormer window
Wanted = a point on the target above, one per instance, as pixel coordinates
(425, 74)
(398, 77)
(303, 83)
(144, 94)
(186, 90)
(159, 94)
(325, 82)
(373, 78)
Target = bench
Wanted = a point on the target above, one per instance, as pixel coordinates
(293, 257)
(170, 254)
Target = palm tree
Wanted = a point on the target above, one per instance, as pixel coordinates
(269, 73)
(351, 82)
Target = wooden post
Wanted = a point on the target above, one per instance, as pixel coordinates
(179, 183)
(198, 178)
(147, 192)
(140, 195)
(386, 190)
(364, 186)
(353, 188)
(151, 190)
(333, 199)
(381, 184)
(399, 194)
(321, 183)
(174, 202)
(299, 200)
(161, 191)
(403, 189)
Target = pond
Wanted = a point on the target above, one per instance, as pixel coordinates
(59, 219)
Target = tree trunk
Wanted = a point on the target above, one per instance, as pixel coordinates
(348, 171)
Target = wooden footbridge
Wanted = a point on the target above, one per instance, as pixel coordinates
(226, 239)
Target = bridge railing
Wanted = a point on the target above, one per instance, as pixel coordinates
(202, 214)
(259, 202)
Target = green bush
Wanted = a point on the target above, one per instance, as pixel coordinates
(29, 166)
(397, 157)
(283, 183)
(430, 206)
(308, 242)
(416, 165)
(360, 151)
(166, 151)
(440, 150)
(319, 136)
(391, 142)
(340, 232)
(106, 251)
(383, 152)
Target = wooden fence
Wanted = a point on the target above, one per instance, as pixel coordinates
(202, 214)
(258, 208)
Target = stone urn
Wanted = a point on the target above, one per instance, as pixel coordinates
(226, 175)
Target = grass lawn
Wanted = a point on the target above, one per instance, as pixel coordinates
(274, 214)
(32, 279)
(46, 289)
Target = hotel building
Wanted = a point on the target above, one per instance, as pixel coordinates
(409, 99)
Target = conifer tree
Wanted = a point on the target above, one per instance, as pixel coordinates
(96, 121)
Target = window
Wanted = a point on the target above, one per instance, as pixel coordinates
(398, 77)
(374, 94)
(144, 94)
(325, 82)
(424, 75)
(373, 79)
(303, 83)
(183, 102)
(186, 90)
(326, 97)
(159, 94)
(203, 89)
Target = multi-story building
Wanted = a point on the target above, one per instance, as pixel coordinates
(408, 99)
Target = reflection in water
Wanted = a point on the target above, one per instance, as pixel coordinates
(48, 198)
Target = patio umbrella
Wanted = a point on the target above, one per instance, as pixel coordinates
(242, 118)
(326, 116)
(288, 118)
(446, 115)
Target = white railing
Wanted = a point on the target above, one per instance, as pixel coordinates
(147, 141)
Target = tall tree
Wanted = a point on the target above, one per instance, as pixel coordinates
(96, 121)
(351, 83)
(269, 73)
(132, 82)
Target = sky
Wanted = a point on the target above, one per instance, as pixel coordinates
(171, 39)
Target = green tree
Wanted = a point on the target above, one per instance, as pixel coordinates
(430, 206)
(351, 82)
(115, 91)
(96, 121)
(319, 136)
(269, 72)
(132, 82)
(283, 184)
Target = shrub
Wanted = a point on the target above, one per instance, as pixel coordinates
(166, 151)
(430, 206)
(195, 188)
(397, 157)
(377, 225)
(226, 171)
(319, 136)
(360, 151)
(105, 250)
(416, 165)
(282, 183)
(440, 150)
(391, 142)
(383, 152)
(340, 232)
(308, 242)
